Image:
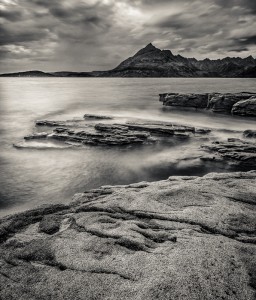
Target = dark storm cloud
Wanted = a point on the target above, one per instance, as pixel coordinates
(250, 40)
(19, 36)
(98, 34)
(247, 4)
(239, 49)
(11, 15)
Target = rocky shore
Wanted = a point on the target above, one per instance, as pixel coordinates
(240, 104)
(186, 237)
(181, 238)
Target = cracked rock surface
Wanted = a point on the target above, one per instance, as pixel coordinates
(182, 238)
(237, 151)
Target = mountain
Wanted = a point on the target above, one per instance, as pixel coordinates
(153, 62)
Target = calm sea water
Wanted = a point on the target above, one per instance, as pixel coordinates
(29, 178)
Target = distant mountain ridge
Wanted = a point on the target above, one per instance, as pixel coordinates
(153, 62)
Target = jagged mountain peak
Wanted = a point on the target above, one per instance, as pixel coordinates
(149, 48)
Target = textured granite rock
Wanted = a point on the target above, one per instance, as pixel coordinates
(183, 238)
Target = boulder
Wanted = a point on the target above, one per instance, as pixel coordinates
(245, 108)
(216, 102)
(249, 133)
(223, 103)
(185, 100)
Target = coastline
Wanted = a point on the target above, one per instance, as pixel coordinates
(189, 237)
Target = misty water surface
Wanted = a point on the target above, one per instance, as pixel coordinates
(29, 178)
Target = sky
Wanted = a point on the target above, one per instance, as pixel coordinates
(87, 35)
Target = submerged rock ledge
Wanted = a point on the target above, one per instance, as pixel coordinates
(241, 104)
(181, 238)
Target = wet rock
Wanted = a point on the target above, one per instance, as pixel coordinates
(50, 123)
(105, 135)
(96, 117)
(38, 135)
(181, 135)
(222, 103)
(165, 129)
(63, 129)
(181, 238)
(112, 134)
(234, 150)
(202, 130)
(185, 100)
(245, 108)
(111, 127)
(249, 133)
(235, 103)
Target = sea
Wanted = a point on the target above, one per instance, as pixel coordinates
(33, 177)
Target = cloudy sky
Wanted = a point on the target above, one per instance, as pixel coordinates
(86, 35)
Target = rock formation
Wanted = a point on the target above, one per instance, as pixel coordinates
(182, 238)
(249, 133)
(243, 104)
(79, 132)
(245, 107)
(237, 151)
(185, 100)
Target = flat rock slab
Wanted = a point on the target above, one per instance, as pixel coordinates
(183, 238)
(78, 133)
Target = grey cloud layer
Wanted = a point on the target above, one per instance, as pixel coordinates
(88, 35)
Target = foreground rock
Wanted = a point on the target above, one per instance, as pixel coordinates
(243, 104)
(182, 238)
